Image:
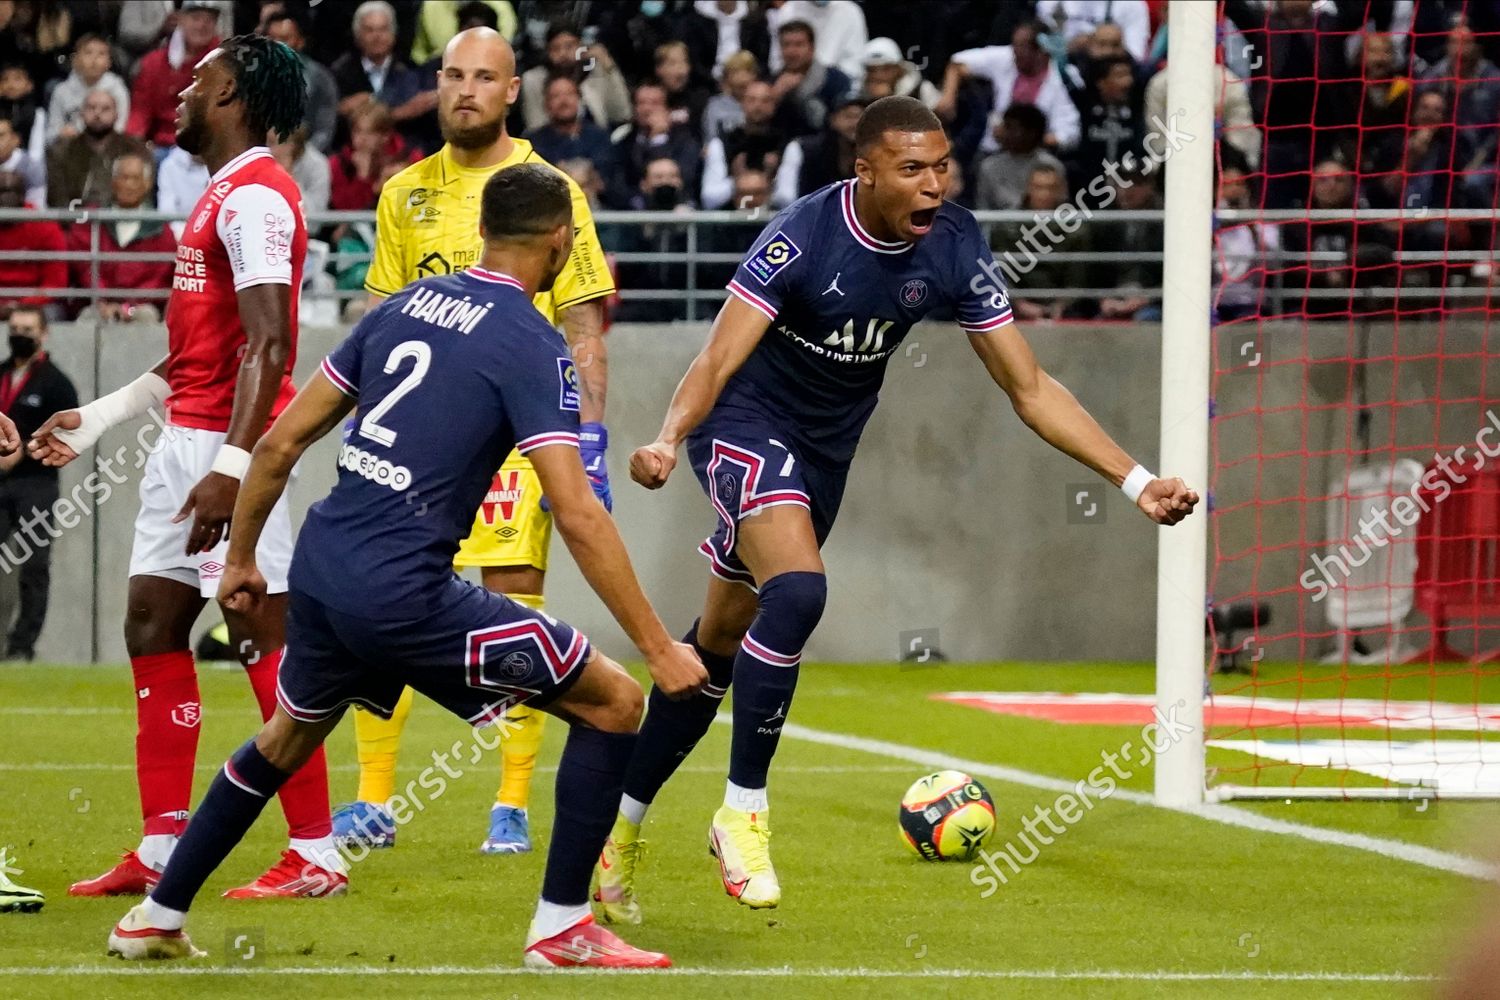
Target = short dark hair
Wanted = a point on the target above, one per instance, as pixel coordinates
(1100, 68)
(87, 38)
(527, 199)
(37, 311)
(476, 12)
(892, 114)
(802, 26)
(562, 28)
(553, 77)
(297, 19)
(1027, 116)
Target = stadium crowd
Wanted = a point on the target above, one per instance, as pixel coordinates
(726, 103)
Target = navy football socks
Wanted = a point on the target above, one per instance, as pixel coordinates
(241, 790)
(765, 671)
(588, 792)
(673, 728)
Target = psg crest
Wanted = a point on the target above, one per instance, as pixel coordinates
(913, 292)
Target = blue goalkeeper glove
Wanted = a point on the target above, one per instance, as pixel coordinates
(593, 439)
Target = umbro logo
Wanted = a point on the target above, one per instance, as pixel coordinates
(833, 286)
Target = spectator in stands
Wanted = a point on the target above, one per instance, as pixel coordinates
(130, 185)
(91, 57)
(167, 71)
(805, 88)
(18, 161)
(723, 111)
(662, 188)
(142, 27)
(19, 106)
(817, 161)
(686, 94)
(1079, 19)
(1005, 176)
(1022, 72)
(1470, 85)
(888, 74)
(44, 30)
(756, 145)
(1310, 116)
(181, 180)
(373, 71)
(649, 136)
(79, 169)
(1349, 256)
(440, 20)
(738, 28)
(308, 167)
(322, 92)
(752, 195)
(1111, 125)
(567, 135)
(1018, 247)
(374, 154)
(633, 38)
(838, 26)
(38, 236)
(1232, 104)
(1387, 92)
(1244, 252)
(32, 388)
(601, 85)
(1136, 282)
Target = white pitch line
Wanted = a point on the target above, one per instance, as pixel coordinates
(782, 972)
(1428, 857)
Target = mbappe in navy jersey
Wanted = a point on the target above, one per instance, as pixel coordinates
(840, 303)
(450, 373)
(787, 424)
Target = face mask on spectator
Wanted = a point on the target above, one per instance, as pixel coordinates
(22, 346)
(664, 196)
(652, 8)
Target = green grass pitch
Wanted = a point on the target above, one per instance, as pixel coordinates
(1133, 901)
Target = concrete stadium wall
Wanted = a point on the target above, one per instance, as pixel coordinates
(957, 519)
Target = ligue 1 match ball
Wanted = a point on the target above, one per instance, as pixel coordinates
(946, 816)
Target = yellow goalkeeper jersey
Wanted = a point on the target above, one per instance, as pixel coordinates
(427, 223)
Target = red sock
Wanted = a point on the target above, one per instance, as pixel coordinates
(304, 798)
(167, 713)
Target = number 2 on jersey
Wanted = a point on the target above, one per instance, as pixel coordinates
(421, 354)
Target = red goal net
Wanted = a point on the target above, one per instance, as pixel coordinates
(1355, 425)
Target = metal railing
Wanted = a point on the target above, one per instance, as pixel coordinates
(687, 229)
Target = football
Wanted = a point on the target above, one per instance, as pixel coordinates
(946, 816)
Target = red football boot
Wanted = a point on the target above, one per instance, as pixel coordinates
(586, 944)
(131, 877)
(293, 876)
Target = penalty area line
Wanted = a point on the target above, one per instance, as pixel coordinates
(782, 972)
(1457, 864)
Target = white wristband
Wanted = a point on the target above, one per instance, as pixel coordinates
(119, 406)
(231, 461)
(1136, 482)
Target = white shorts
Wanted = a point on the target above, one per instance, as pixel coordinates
(184, 456)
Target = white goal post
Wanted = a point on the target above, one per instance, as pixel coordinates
(1182, 550)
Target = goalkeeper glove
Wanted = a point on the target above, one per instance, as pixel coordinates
(593, 439)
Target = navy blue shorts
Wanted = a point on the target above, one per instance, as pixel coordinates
(746, 466)
(478, 655)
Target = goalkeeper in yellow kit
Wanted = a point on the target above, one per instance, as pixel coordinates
(427, 223)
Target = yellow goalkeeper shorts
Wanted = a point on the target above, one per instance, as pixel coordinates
(510, 529)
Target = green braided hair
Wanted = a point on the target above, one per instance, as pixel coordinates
(268, 76)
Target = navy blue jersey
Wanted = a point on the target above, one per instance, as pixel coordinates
(841, 302)
(451, 373)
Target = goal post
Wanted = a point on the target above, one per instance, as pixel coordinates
(1182, 550)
